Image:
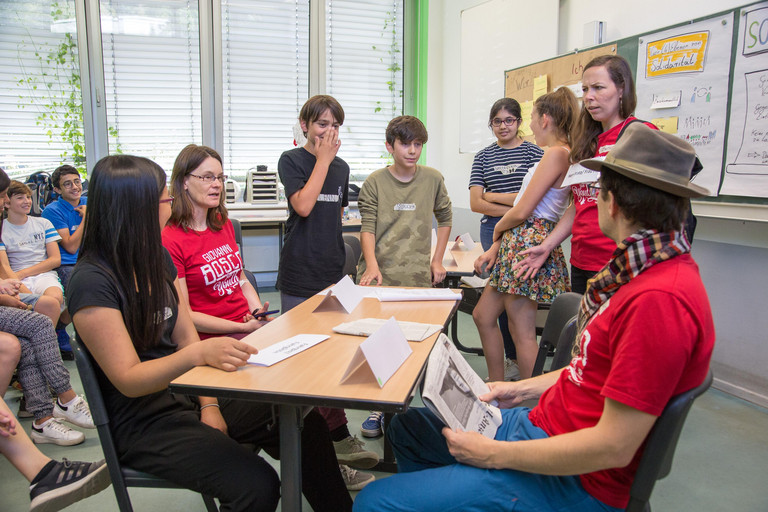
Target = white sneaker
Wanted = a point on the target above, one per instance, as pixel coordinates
(77, 412)
(511, 370)
(55, 432)
(353, 479)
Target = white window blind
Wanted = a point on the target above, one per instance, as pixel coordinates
(152, 76)
(364, 43)
(29, 32)
(265, 53)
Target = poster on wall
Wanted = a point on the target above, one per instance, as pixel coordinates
(746, 161)
(682, 89)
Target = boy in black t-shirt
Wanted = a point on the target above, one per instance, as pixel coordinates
(316, 183)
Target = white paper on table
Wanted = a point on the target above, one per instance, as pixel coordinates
(475, 281)
(413, 331)
(344, 293)
(385, 351)
(468, 242)
(286, 348)
(577, 173)
(666, 100)
(449, 260)
(416, 294)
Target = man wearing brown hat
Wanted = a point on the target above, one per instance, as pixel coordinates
(645, 335)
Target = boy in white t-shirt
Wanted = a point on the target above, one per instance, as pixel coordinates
(29, 249)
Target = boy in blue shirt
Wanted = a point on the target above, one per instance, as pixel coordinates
(66, 214)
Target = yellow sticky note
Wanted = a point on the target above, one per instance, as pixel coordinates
(666, 124)
(526, 107)
(539, 86)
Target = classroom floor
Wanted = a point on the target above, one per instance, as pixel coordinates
(720, 462)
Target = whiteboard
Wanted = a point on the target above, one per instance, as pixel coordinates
(496, 36)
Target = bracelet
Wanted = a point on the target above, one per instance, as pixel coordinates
(208, 405)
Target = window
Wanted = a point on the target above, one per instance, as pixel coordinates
(364, 62)
(265, 63)
(151, 54)
(40, 100)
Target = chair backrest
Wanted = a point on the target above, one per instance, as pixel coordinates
(350, 263)
(564, 344)
(354, 242)
(564, 307)
(660, 446)
(90, 382)
(238, 236)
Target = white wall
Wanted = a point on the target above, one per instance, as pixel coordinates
(732, 254)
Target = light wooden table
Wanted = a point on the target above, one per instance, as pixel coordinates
(312, 378)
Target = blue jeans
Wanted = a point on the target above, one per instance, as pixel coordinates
(430, 479)
(486, 240)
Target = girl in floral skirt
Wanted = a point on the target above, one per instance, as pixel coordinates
(539, 205)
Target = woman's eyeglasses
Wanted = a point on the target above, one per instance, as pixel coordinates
(594, 188)
(210, 178)
(170, 199)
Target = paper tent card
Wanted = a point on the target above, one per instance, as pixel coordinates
(343, 295)
(384, 352)
(466, 238)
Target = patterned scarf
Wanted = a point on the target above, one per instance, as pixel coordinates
(635, 254)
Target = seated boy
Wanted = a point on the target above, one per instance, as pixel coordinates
(396, 205)
(66, 214)
(29, 250)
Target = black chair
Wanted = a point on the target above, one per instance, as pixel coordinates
(350, 263)
(563, 309)
(562, 353)
(239, 240)
(354, 244)
(122, 477)
(660, 446)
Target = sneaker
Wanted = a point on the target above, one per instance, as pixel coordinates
(68, 482)
(511, 370)
(351, 451)
(23, 412)
(55, 432)
(63, 337)
(371, 427)
(77, 413)
(353, 479)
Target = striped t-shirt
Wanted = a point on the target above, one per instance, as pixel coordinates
(25, 244)
(502, 170)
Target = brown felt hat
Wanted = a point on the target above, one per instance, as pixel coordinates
(660, 160)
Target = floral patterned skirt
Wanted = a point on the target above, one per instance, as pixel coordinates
(551, 279)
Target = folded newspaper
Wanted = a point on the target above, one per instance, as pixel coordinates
(413, 331)
(451, 389)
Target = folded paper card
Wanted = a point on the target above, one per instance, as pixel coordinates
(466, 239)
(343, 295)
(413, 331)
(286, 348)
(577, 173)
(384, 352)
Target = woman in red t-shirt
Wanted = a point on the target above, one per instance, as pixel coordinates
(201, 240)
(608, 101)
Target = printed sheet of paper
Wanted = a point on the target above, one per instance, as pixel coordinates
(415, 294)
(384, 351)
(413, 331)
(577, 173)
(344, 295)
(286, 348)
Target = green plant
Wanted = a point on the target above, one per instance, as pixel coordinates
(53, 90)
(393, 67)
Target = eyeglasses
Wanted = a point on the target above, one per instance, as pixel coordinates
(508, 121)
(170, 199)
(594, 188)
(210, 178)
(71, 184)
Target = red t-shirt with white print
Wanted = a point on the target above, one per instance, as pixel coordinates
(590, 248)
(211, 263)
